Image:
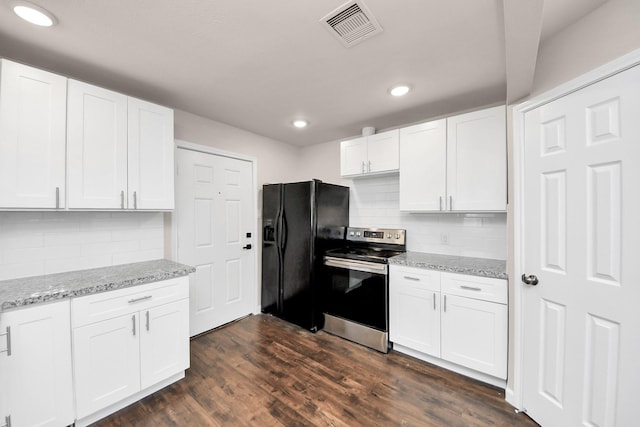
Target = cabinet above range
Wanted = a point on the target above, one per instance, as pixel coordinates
(65, 144)
(370, 155)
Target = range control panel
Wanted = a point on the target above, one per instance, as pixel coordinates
(377, 235)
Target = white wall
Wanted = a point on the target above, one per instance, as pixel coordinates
(36, 243)
(605, 34)
(321, 161)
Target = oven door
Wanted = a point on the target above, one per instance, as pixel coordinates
(358, 291)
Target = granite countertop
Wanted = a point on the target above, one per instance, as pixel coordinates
(484, 267)
(37, 289)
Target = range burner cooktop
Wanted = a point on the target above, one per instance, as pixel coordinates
(371, 244)
(364, 253)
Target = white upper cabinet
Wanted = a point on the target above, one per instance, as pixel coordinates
(120, 151)
(423, 169)
(97, 147)
(477, 161)
(150, 158)
(455, 164)
(32, 137)
(369, 155)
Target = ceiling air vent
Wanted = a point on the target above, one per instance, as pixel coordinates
(352, 23)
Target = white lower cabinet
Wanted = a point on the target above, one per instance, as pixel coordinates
(414, 309)
(126, 342)
(459, 319)
(35, 366)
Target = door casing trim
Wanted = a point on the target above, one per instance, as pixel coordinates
(514, 391)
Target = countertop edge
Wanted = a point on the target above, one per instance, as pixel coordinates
(168, 270)
(482, 267)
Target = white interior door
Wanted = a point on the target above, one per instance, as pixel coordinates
(581, 240)
(214, 210)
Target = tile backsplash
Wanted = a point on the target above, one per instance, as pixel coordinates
(35, 243)
(374, 202)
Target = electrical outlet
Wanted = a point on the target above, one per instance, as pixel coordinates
(444, 238)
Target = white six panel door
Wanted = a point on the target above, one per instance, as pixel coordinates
(582, 240)
(32, 137)
(214, 210)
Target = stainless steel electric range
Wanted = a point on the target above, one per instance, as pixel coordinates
(357, 297)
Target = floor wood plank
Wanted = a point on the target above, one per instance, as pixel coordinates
(263, 371)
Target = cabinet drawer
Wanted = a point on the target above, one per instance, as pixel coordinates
(416, 278)
(480, 288)
(107, 305)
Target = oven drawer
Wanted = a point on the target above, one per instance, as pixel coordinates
(416, 278)
(480, 288)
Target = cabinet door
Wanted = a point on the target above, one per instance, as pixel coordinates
(106, 363)
(477, 161)
(353, 156)
(37, 380)
(96, 147)
(383, 152)
(414, 311)
(150, 155)
(33, 105)
(164, 342)
(423, 159)
(474, 334)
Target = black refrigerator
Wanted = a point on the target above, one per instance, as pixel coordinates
(300, 221)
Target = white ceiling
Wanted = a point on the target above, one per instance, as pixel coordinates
(258, 65)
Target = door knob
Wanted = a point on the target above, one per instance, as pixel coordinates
(530, 279)
(247, 247)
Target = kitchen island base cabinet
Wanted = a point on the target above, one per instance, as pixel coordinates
(452, 320)
(35, 366)
(127, 344)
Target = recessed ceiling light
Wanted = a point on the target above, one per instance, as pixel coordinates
(300, 123)
(33, 14)
(399, 90)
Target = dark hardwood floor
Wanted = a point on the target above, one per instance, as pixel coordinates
(263, 371)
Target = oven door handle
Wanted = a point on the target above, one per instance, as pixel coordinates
(368, 267)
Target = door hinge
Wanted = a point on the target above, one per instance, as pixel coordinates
(7, 348)
(7, 421)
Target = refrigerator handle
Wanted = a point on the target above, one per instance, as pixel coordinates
(284, 231)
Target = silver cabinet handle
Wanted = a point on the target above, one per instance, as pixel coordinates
(363, 166)
(135, 200)
(445, 303)
(8, 349)
(470, 288)
(131, 301)
(369, 166)
(122, 199)
(133, 322)
(450, 203)
(416, 279)
(57, 197)
(434, 301)
(147, 320)
(440, 202)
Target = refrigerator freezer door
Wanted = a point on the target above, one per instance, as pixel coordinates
(271, 252)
